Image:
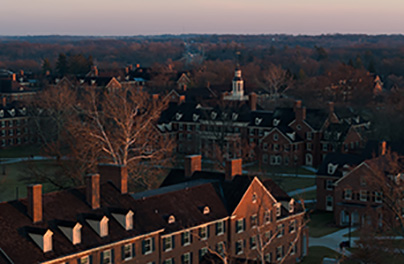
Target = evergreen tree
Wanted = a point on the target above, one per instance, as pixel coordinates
(46, 66)
(61, 64)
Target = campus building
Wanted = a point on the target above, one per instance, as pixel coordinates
(196, 215)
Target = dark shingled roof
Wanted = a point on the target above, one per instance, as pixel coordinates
(340, 160)
(16, 224)
(316, 118)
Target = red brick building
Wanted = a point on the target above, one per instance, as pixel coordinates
(180, 223)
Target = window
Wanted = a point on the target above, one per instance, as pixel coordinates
(293, 248)
(308, 146)
(181, 126)
(3, 123)
(275, 137)
(329, 185)
(348, 194)
(280, 230)
(219, 228)
(278, 210)
(325, 147)
(171, 219)
(309, 136)
(265, 158)
(169, 261)
(185, 238)
(363, 195)
(148, 245)
(298, 127)
(240, 225)
(220, 248)
(168, 243)
(203, 252)
(84, 260)
(292, 226)
(378, 197)
(128, 251)
(203, 232)
(279, 253)
(286, 147)
(186, 258)
(267, 217)
(254, 198)
(239, 247)
(106, 257)
(268, 258)
(265, 146)
(253, 242)
(275, 147)
(254, 220)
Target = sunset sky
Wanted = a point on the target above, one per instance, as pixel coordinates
(150, 17)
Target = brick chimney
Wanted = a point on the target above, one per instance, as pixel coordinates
(233, 168)
(117, 174)
(383, 148)
(192, 163)
(181, 99)
(93, 190)
(14, 77)
(95, 71)
(34, 196)
(300, 111)
(252, 100)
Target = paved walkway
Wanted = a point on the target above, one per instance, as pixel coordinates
(333, 240)
(303, 190)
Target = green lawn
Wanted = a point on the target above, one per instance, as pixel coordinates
(11, 185)
(316, 255)
(277, 169)
(321, 224)
(311, 195)
(291, 183)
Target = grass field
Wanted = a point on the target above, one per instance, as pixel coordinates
(291, 183)
(321, 224)
(311, 195)
(11, 184)
(316, 255)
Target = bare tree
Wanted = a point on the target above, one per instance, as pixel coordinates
(276, 81)
(116, 126)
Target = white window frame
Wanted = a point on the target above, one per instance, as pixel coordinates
(186, 258)
(363, 195)
(329, 185)
(168, 243)
(106, 257)
(292, 226)
(279, 253)
(85, 260)
(348, 194)
(203, 232)
(239, 250)
(240, 225)
(128, 247)
(254, 221)
(378, 197)
(149, 242)
(186, 238)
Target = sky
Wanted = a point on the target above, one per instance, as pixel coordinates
(154, 17)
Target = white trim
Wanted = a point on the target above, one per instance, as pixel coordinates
(5, 255)
(249, 187)
(195, 227)
(349, 173)
(89, 251)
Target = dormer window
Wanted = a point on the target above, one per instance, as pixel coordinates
(171, 219)
(2, 113)
(234, 116)
(254, 198)
(71, 231)
(291, 206)
(124, 219)
(276, 122)
(43, 238)
(99, 225)
(331, 168)
(278, 209)
(206, 210)
(213, 115)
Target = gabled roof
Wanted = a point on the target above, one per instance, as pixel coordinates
(316, 118)
(16, 224)
(338, 160)
(190, 214)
